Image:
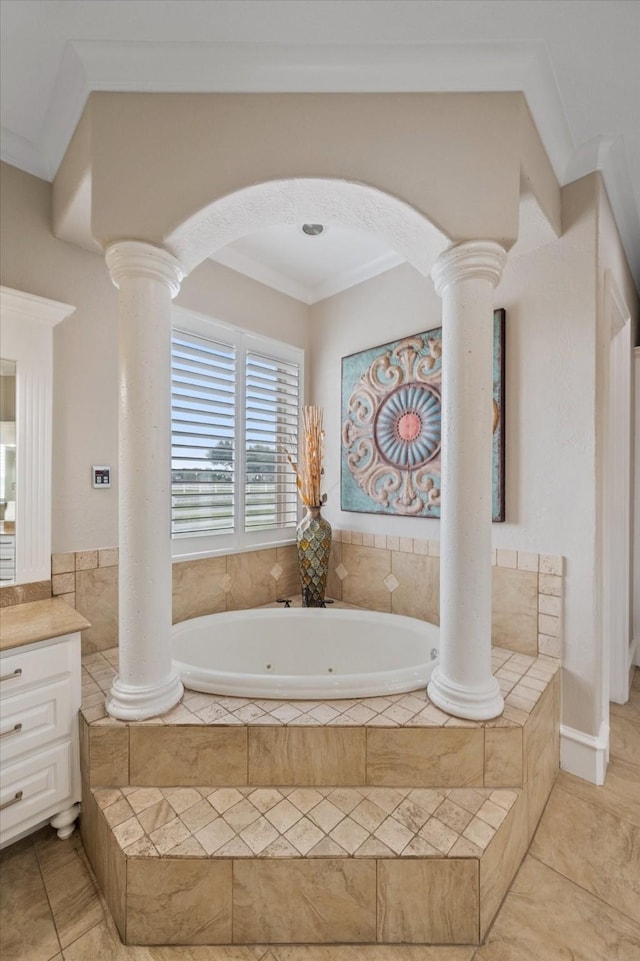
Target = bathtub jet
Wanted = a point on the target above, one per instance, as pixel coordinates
(305, 653)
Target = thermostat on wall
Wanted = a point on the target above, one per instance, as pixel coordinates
(101, 476)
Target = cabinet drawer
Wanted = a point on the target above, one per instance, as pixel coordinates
(32, 788)
(21, 671)
(34, 718)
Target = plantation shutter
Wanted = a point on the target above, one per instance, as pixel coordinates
(272, 398)
(203, 435)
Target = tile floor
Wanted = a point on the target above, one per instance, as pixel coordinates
(576, 896)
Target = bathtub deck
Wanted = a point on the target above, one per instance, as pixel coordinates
(522, 680)
(230, 820)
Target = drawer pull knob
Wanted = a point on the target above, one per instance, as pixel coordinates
(14, 800)
(14, 730)
(8, 677)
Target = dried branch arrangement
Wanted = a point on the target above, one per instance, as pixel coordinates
(310, 470)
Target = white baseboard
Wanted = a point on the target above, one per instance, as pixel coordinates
(585, 755)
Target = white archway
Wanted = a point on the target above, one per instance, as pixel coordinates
(318, 200)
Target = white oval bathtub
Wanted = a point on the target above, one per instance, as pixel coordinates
(304, 653)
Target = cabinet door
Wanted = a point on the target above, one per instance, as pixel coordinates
(35, 718)
(33, 788)
(37, 666)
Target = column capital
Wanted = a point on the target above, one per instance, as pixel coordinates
(474, 260)
(134, 258)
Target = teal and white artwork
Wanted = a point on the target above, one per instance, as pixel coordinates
(391, 426)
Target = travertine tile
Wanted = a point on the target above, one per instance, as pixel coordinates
(507, 558)
(570, 827)
(546, 916)
(500, 861)
(549, 625)
(109, 865)
(428, 901)
(97, 599)
(550, 604)
(72, 895)
(630, 710)
(63, 563)
(423, 757)
(108, 557)
(184, 756)
(541, 753)
(514, 620)
(27, 931)
(364, 585)
(177, 900)
(288, 582)
(551, 564)
(418, 591)
(63, 584)
(197, 588)
(306, 755)
(335, 574)
(550, 584)
(528, 561)
(369, 952)
(625, 739)
(103, 942)
(251, 582)
(503, 757)
(109, 754)
(277, 900)
(86, 560)
(619, 795)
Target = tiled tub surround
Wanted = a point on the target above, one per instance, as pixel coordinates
(378, 572)
(404, 824)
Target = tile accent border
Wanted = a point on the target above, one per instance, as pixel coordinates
(374, 571)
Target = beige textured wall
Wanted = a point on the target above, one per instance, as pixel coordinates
(158, 158)
(85, 390)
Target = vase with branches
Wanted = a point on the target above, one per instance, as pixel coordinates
(313, 534)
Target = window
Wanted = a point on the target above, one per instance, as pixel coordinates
(235, 401)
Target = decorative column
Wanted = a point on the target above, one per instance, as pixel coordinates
(147, 278)
(462, 684)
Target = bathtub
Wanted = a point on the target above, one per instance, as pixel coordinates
(301, 653)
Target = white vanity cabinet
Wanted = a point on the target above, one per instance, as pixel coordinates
(39, 752)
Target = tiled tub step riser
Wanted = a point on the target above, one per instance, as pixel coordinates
(409, 898)
(192, 755)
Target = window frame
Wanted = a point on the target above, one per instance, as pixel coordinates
(192, 547)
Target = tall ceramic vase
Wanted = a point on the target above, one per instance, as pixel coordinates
(314, 546)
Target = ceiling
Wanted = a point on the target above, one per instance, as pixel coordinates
(577, 62)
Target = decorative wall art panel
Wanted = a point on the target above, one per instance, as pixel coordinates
(391, 426)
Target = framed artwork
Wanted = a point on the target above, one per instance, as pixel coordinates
(391, 426)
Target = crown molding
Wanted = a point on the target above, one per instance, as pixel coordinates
(177, 67)
(305, 293)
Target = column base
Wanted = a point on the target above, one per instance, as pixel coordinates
(472, 703)
(136, 702)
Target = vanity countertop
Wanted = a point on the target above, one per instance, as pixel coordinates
(38, 621)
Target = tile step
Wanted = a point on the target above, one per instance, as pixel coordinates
(295, 822)
(243, 865)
